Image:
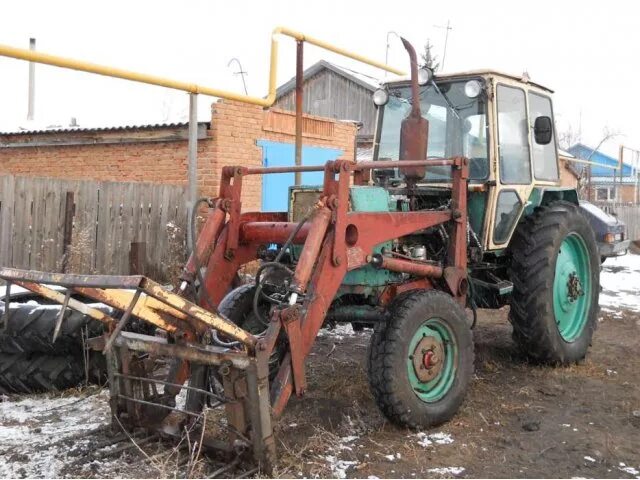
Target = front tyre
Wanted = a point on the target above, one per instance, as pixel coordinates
(555, 270)
(420, 361)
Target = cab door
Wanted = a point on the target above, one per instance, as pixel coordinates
(513, 173)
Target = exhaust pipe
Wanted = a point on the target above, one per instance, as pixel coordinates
(414, 130)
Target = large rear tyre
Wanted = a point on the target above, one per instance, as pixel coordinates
(420, 361)
(34, 373)
(555, 270)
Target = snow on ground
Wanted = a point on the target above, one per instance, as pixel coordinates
(38, 434)
(439, 438)
(447, 471)
(338, 332)
(620, 281)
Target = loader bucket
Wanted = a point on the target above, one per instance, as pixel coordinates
(175, 381)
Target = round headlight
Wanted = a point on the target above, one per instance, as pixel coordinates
(380, 97)
(472, 88)
(424, 76)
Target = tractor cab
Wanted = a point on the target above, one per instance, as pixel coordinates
(503, 124)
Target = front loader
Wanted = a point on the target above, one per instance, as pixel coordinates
(461, 207)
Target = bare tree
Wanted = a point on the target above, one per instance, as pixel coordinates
(429, 59)
(568, 138)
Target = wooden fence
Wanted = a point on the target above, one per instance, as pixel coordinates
(89, 227)
(628, 213)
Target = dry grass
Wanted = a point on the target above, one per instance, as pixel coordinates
(80, 254)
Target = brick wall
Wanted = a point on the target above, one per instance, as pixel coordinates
(235, 129)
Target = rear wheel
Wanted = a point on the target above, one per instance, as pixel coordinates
(421, 360)
(555, 269)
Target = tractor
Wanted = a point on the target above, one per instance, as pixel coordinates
(460, 208)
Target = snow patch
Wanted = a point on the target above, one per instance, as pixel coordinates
(620, 281)
(439, 438)
(40, 424)
(339, 467)
(338, 332)
(630, 470)
(446, 470)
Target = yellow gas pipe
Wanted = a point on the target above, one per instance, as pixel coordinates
(39, 57)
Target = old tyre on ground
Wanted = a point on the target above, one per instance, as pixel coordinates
(33, 372)
(555, 270)
(30, 329)
(420, 360)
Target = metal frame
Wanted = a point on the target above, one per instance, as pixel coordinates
(335, 240)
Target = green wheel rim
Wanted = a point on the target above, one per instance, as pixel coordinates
(436, 388)
(572, 287)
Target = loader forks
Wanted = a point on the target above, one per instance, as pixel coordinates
(177, 379)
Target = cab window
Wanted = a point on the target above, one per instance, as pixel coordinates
(545, 163)
(513, 136)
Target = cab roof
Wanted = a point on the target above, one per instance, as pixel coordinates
(524, 78)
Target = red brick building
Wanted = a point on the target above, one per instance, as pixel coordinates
(158, 153)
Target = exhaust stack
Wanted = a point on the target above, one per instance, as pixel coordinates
(414, 130)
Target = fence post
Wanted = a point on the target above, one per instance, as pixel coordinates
(137, 258)
(67, 236)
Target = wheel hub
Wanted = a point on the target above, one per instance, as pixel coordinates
(427, 358)
(574, 287)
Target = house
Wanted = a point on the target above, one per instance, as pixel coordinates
(334, 92)
(603, 181)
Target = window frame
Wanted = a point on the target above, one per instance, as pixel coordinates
(495, 216)
(554, 139)
(497, 124)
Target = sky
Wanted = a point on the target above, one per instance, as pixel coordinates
(587, 52)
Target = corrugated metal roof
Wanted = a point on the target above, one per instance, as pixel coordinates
(120, 128)
(364, 81)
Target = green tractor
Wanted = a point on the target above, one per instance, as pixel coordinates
(527, 245)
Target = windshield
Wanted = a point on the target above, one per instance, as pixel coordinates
(457, 126)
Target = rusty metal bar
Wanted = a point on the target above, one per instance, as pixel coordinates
(312, 245)
(63, 310)
(299, 94)
(74, 304)
(377, 164)
(272, 232)
(163, 382)
(268, 170)
(72, 280)
(406, 266)
(206, 355)
(7, 304)
(192, 310)
(159, 405)
(119, 299)
(123, 321)
(359, 166)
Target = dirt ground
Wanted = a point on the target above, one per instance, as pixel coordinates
(518, 420)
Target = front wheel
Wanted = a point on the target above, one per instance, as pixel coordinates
(555, 270)
(420, 361)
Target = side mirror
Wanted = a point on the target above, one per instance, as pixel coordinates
(543, 130)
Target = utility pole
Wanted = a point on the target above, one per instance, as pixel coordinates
(386, 53)
(32, 83)
(240, 72)
(447, 28)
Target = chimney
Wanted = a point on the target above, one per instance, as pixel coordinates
(32, 82)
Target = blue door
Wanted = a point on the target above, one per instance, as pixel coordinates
(275, 188)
